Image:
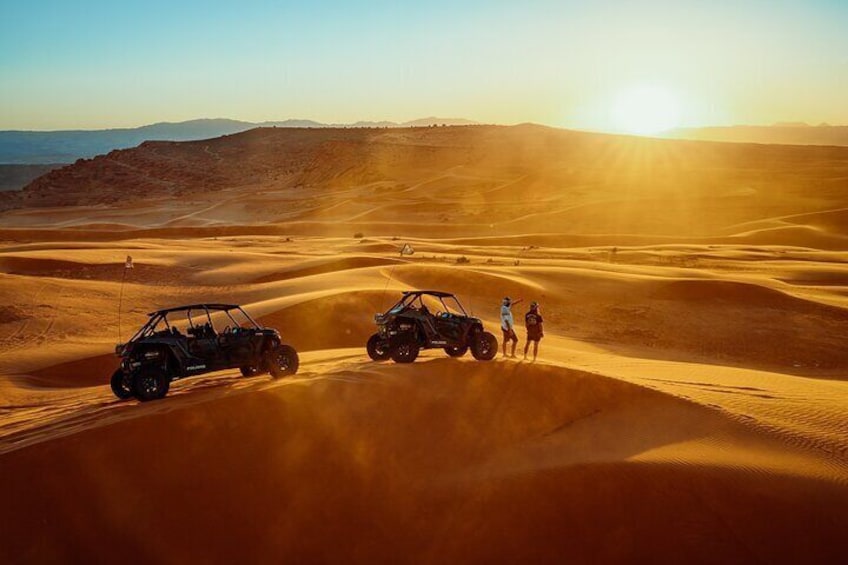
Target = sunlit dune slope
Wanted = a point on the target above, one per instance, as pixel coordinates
(773, 309)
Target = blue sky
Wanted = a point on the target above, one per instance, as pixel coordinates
(93, 64)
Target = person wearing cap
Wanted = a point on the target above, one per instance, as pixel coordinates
(535, 331)
(508, 324)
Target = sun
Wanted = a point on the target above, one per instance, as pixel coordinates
(646, 110)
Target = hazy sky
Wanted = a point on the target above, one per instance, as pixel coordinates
(93, 64)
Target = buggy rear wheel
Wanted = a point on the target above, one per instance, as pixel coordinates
(121, 384)
(456, 351)
(484, 346)
(282, 361)
(405, 352)
(378, 349)
(151, 384)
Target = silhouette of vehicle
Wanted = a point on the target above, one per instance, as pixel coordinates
(409, 326)
(160, 352)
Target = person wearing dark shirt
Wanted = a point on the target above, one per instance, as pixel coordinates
(535, 331)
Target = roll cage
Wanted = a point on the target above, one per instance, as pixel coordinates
(159, 323)
(417, 299)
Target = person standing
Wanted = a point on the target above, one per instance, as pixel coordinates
(535, 331)
(508, 324)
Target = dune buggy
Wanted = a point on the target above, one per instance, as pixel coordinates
(429, 319)
(192, 340)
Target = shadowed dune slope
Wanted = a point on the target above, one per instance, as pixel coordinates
(88, 371)
(322, 469)
(345, 319)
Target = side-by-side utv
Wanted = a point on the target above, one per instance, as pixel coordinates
(429, 319)
(192, 340)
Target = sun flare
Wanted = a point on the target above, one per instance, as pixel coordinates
(646, 110)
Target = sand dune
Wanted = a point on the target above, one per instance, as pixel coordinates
(688, 405)
(325, 266)
(510, 461)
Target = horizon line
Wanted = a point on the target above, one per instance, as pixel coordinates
(363, 123)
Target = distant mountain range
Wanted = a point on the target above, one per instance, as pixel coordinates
(46, 147)
(792, 133)
(66, 146)
(15, 177)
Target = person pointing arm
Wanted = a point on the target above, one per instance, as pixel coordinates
(508, 324)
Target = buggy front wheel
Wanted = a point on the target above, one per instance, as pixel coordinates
(377, 347)
(484, 346)
(282, 361)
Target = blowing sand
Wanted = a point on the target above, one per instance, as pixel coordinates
(688, 404)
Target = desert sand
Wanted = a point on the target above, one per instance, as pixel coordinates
(689, 402)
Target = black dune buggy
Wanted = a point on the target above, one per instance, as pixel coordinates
(192, 340)
(429, 319)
